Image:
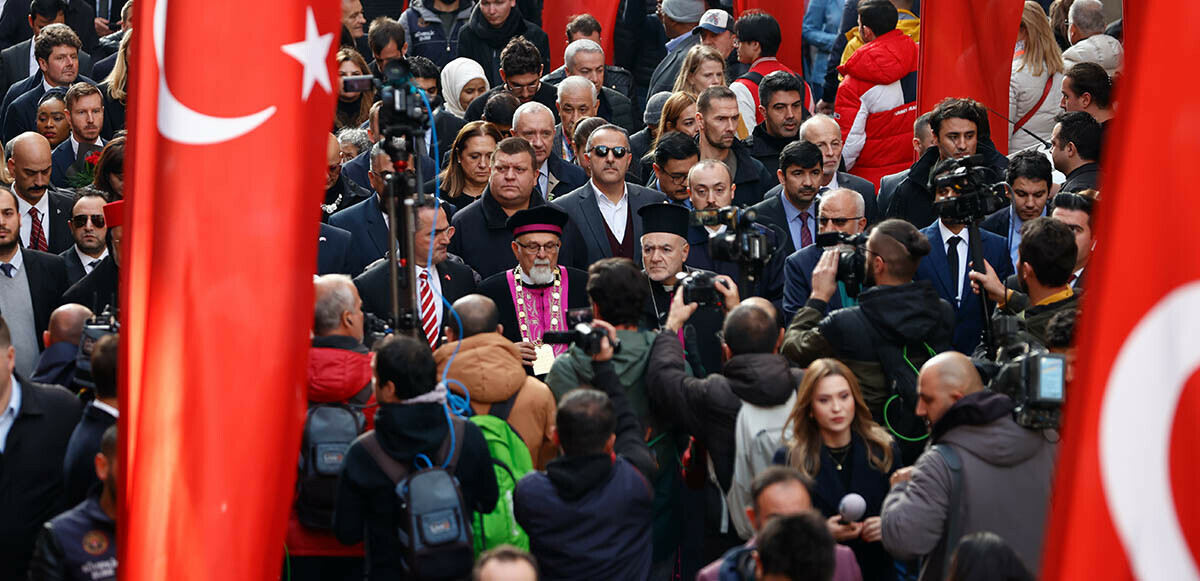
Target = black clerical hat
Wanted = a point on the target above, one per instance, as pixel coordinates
(665, 217)
(540, 219)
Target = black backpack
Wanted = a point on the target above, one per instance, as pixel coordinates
(434, 526)
(329, 429)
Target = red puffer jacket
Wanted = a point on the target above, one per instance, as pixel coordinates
(876, 106)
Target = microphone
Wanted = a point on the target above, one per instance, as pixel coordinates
(852, 507)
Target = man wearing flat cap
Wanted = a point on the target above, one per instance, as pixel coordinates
(679, 18)
(534, 297)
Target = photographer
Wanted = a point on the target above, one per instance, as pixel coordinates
(1047, 261)
(841, 210)
(896, 325)
(1003, 485)
(589, 514)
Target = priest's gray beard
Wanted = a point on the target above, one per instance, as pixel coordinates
(541, 272)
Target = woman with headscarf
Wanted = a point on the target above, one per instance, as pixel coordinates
(462, 81)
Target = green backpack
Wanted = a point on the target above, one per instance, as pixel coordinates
(512, 461)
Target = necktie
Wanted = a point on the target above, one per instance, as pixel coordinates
(8, 269)
(428, 314)
(1071, 279)
(37, 237)
(952, 262)
(805, 232)
(92, 265)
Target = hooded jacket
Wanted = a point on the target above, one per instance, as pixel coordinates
(482, 43)
(1007, 473)
(426, 34)
(490, 367)
(876, 106)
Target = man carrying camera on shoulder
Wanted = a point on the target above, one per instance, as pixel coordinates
(897, 325)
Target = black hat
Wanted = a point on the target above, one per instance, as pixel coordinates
(665, 217)
(545, 218)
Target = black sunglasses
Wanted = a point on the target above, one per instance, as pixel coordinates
(81, 220)
(839, 222)
(603, 151)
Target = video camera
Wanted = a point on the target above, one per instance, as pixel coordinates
(403, 112)
(585, 336)
(744, 242)
(852, 262)
(1028, 373)
(979, 194)
(94, 329)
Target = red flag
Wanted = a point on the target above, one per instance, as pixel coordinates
(228, 129)
(1125, 503)
(557, 13)
(966, 51)
(790, 15)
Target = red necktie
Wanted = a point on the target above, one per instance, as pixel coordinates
(428, 314)
(37, 237)
(805, 232)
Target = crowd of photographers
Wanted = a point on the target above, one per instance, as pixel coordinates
(695, 314)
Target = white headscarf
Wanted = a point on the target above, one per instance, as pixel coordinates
(455, 75)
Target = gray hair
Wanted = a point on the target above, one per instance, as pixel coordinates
(860, 207)
(528, 107)
(1087, 16)
(817, 118)
(576, 83)
(330, 305)
(581, 45)
(354, 136)
(607, 127)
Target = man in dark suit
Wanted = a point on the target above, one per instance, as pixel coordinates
(57, 52)
(77, 14)
(90, 233)
(604, 211)
(98, 290)
(333, 252)
(576, 102)
(31, 287)
(340, 191)
(43, 212)
(1029, 178)
(679, 18)
(948, 265)
(823, 131)
(100, 413)
(365, 220)
(56, 365)
(86, 108)
(438, 279)
(794, 209)
(841, 211)
(36, 421)
(17, 62)
(358, 170)
(534, 123)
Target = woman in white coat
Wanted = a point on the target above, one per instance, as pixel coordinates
(1035, 88)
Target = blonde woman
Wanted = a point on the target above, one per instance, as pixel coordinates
(113, 91)
(702, 68)
(1035, 88)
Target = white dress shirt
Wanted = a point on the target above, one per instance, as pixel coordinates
(43, 208)
(436, 286)
(616, 216)
(75, 144)
(88, 267)
(963, 251)
(544, 179)
(33, 66)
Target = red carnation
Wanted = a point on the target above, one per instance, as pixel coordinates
(93, 158)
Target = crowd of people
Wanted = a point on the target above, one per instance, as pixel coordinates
(683, 311)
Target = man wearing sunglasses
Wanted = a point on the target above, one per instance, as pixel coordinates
(89, 231)
(603, 210)
(841, 211)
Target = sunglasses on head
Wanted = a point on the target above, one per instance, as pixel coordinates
(603, 151)
(81, 220)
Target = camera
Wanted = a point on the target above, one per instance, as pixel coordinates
(852, 261)
(375, 329)
(700, 287)
(93, 330)
(978, 193)
(585, 336)
(1028, 373)
(744, 242)
(403, 112)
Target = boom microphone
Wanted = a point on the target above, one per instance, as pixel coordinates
(852, 507)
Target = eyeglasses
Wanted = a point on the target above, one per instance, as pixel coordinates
(535, 248)
(81, 220)
(677, 178)
(531, 88)
(603, 151)
(839, 222)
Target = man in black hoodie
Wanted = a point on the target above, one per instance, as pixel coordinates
(897, 325)
(412, 419)
(492, 24)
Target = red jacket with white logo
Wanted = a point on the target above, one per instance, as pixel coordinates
(876, 106)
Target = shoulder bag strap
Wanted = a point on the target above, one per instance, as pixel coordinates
(501, 409)
(458, 433)
(394, 470)
(1029, 115)
(954, 522)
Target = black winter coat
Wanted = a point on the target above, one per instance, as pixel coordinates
(913, 199)
(482, 43)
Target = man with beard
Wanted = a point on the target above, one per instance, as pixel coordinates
(822, 131)
(782, 96)
(794, 210)
(57, 52)
(86, 109)
(31, 286)
(535, 296)
(89, 231)
(717, 115)
(664, 250)
(98, 289)
(340, 191)
(492, 25)
(43, 211)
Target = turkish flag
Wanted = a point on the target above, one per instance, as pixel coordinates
(966, 51)
(1125, 503)
(790, 14)
(557, 13)
(231, 105)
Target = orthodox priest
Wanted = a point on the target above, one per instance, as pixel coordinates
(534, 297)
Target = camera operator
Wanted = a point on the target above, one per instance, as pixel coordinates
(1003, 485)
(897, 323)
(1047, 261)
(589, 515)
(841, 210)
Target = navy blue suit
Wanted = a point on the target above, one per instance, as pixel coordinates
(60, 161)
(333, 252)
(21, 115)
(968, 325)
(797, 280)
(79, 468)
(368, 232)
(570, 177)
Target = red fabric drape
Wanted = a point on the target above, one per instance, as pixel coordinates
(966, 51)
(225, 176)
(790, 14)
(556, 14)
(1124, 501)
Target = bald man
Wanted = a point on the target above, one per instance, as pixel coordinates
(57, 363)
(823, 131)
(44, 211)
(1003, 482)
(340, 191)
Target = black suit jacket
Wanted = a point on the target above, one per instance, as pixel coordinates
(588, 223)
(333, 252)
(457, 281)
(14, 64)
(21, 115)
(75, 270)
(368, 233)
(61, 160)
(569, 176)
(485, 243)
(31, 471)
(98, 289)
(60, 212)
(79, 465)
(47, 275)
(103, 67)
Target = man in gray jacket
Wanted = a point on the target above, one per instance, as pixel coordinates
(1006, 473)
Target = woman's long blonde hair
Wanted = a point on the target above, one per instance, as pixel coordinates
(804, 441)
(120, 72)
(1042, 54)
(691, 63)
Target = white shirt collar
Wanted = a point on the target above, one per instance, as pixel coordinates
(85, 259)
(75, 144)
(833, 183)
(601, 198)
(18, 260)
(946, 234)
(45, 86)
(110, 410)
(14, 398)
(33, 66)
(43, 206)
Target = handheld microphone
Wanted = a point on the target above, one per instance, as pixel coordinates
(852, 507)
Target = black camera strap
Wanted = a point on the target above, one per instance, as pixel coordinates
(954, 518)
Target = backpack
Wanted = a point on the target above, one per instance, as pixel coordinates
(433, 527)
(329, 429)
(757, 435)
(511, 461)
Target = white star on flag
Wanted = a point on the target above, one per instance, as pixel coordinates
(311, 53)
